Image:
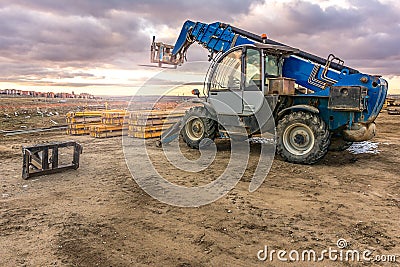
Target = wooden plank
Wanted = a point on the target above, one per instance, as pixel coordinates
(156, 114)
(112, 120)
(159, 116)
(115, 114)
(77, 131)
(148, 128)
(84, 114)
(104, 128)
(144, 135)
(82, 119)
(144, 122)
(107, 134)
(81, 125)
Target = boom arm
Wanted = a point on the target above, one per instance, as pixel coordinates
(220, 37)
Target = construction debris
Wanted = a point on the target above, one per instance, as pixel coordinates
(151, 123)
(45, 158)
(111, 123)
(365, 147)
(104, 130)
(99, 124)
(79, 122)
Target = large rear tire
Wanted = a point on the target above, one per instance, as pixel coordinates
(198, 126)
(302, 137)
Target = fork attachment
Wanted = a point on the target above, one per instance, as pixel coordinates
(162, 54)
(44, 158)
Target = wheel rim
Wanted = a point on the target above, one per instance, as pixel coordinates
(298, 139)
(194, 128)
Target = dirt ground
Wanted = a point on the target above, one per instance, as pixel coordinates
(98, 216)
(20, 113)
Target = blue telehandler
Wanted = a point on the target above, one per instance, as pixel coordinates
(317, 104)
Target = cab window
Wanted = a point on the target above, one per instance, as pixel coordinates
(271, 66)
(253, 69)
(227, 74)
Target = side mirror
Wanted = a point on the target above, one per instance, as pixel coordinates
(196, 92)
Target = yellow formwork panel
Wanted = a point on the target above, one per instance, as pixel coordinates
(82, 119)
(81, 125)
(144, 135)
(115, 114)
(112, 113)
(106, 134)
(112, 120)
(84, 113)
(77, 131)
(148, 128)
(105, 128)
(156, 114)
(144, 122)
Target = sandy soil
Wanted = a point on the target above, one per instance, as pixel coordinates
(98, 216)
(19, 113)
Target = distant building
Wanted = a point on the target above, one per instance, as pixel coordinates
(15, 92)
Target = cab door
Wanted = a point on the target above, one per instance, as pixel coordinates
(225, 91)
(253, 96)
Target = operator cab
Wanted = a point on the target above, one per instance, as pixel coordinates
(243, 75)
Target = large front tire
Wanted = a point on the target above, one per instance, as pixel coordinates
(302, 137)
(198, 126)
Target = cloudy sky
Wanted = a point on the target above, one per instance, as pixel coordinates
(98, 46)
